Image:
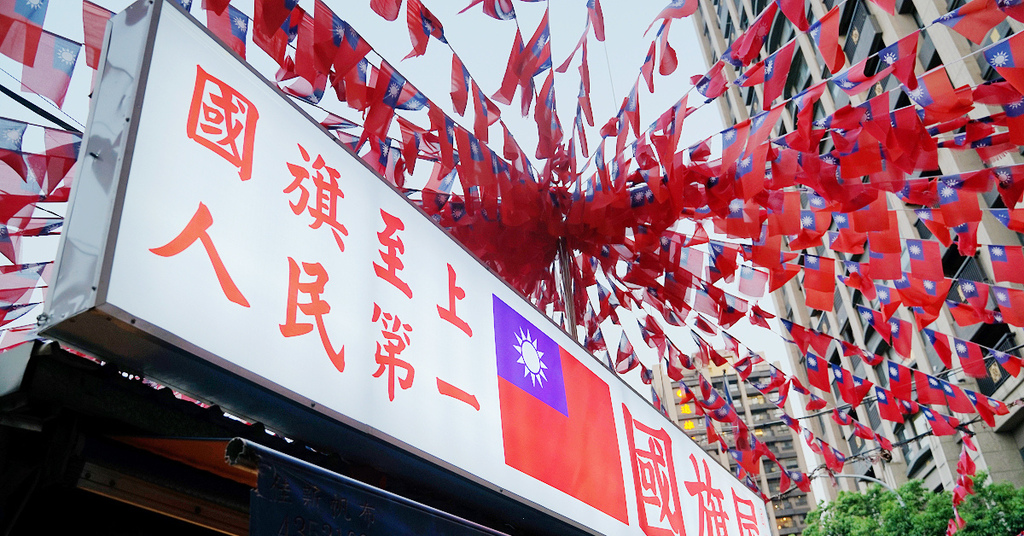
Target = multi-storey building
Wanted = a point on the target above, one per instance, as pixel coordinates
(762, 416)
(864, 30)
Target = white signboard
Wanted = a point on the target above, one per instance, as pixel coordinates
(241, 234)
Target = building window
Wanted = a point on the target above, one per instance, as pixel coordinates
(784, 522)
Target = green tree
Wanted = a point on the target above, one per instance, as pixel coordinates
(994, 510)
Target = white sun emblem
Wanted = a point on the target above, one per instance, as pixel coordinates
(735, 206)
(768, 66)
(13, 136)
(883, 294)
(34, 4)
(997, 252)
(916, 94)
(967, 287)
(730, 134)
(240, 23)
(930, 285)
(894, 326)
(807, 221)
(845, 84)
(925, 215)
(530, 357)
(999, 59)
(915, 249)
(961, 348)
(339, 31)
(840, 219)
(866, 315)
(947, 191)
(65, 56)
(1001, 296)
(889, 58)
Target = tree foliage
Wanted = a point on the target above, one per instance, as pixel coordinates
(994, 510)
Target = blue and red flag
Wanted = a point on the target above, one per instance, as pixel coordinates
(557, 420)
(422, 25)
(1006, 263)
(974, 19)
(971, 359)
(1004, 56)
(230, 26)
(21, 28)
(888, 408)
(536, 56)
(929, 390)
(817, 373)
(50, 73)
(925, 259)
(498, 9)
(337, 44)
(825, 33)
(900, 380)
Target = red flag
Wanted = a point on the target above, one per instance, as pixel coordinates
(819, 282)
(929, 390)
(825, 33)
(900, 379)
(956, 399)
(422, 24)
(887, 406)
(925, 259)
(564, 437)
(940, 342)
(386, 8)
(94, 23)
(974, 19)
(229, 25)
(596, 17)
(940, 423)
(818, 373)
(1006, 263)
(794, 11)
(971, 359)
(338, 45)
(50, 74)
(21, 28)
(461, 83)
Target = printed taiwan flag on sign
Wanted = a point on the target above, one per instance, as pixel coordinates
(557, 423)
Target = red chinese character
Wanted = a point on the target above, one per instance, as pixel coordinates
(196, 229)
(455, 293)
(224, 121)
(712, 516)
(654, 478)
(396, 335)
(394, 246)
(315, 307)
(746, 520)
(325, 207)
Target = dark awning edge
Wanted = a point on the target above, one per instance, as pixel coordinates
(248, 455)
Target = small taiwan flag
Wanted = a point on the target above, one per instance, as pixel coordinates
(557, 423)
(230, 26)
(50, 75)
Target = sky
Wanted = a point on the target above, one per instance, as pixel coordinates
(483, 44)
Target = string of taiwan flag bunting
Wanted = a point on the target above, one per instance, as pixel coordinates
(514, 209)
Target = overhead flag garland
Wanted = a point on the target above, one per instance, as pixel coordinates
(599, 204)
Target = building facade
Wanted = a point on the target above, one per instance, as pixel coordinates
(864, 30)
(762, 415)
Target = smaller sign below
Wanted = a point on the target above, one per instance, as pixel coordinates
(293, 497)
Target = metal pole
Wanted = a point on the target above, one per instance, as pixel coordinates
(876, 481)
